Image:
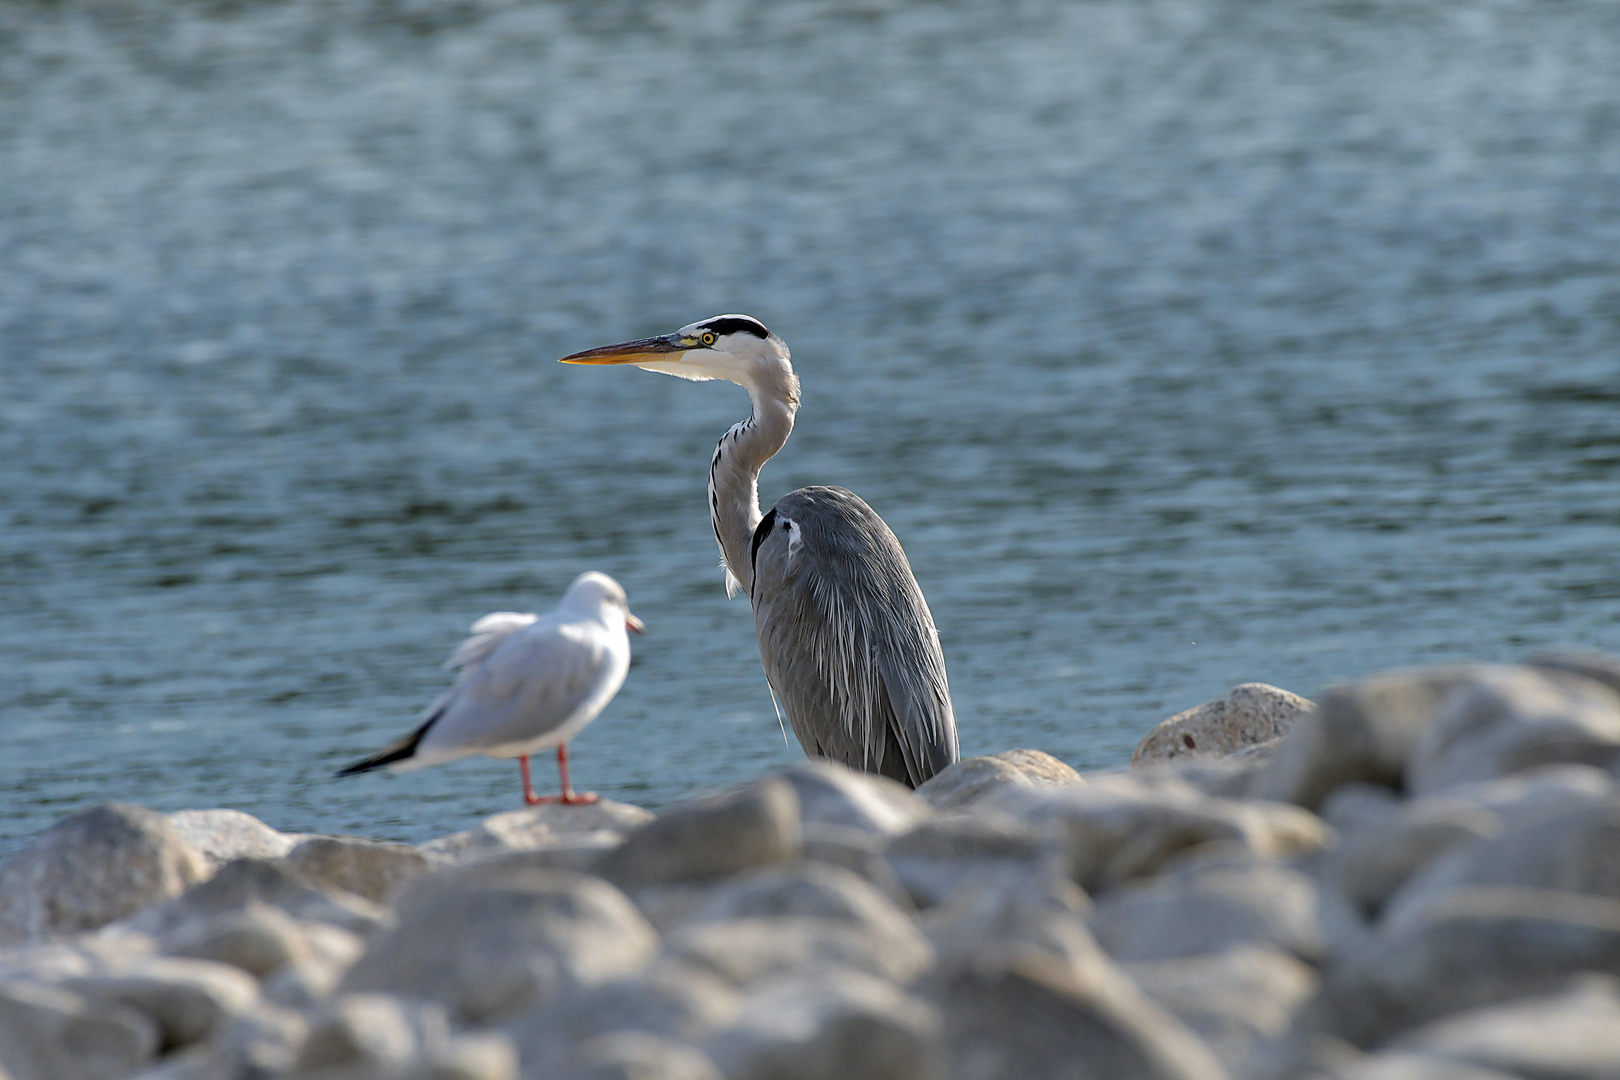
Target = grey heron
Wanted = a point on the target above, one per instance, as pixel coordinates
(526, 683)
(849, 646)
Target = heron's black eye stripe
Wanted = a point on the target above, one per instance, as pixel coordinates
(736, 325)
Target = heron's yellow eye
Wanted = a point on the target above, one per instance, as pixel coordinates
(709, 338)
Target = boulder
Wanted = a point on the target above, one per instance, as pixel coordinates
(1245, 717)
(1004, 917)
(1466, 949)
(242, 883)
(1573, 1035)
(374, 1035)
(859, 852)
(1120, 826)
(964, 782)
(1035, 1016)
(490, 950)
(809, 890)
(1375, 860)
(942, 854)
(222, 835)
(1237, 1001)
(636, 1055)
(536, 827)
(1575, 851)
(1598, 667)
(189, 1000)
(832, 794)
(50, 1033)
(1504, 720)
(710, 838)
(668, 1001)
(1208, 907)
(374, 869)
(1539, 793)
(743, 951)
(1406, 1065)
(258, 939)
(832, 1024)
(92, 868)
(1359, 733)
(262, 1042)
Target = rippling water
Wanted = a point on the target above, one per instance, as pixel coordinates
(1182, 342)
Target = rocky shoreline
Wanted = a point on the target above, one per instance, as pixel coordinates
(1418, 876)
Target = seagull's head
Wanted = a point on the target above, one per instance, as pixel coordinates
(736, 348)
(596, 594)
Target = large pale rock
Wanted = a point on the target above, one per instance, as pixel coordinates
(1120, 826)
(1376, 859)
(943, 854)
(374, 1035)
(859, 852)
(1466, 949)
(261, 1043)
(965, 782)
(188, 999)
(1537, 794)
(636, 1055)
(1359, 733)
(1574, 1035)
(1007, 917)
(374, 869)
(536, 827)
(50, 1033)
(222, 835)
(491, 950)
(1035, 1016)
(809, 890)
(1407, 1065)
(670, 1002)
(830, 1025)
(92, 868)
(258, 939)
(242, 883)
(1504, 720)
(710, 838)
(832, 794)
(1576, 851)
(1206, 908)
(743, 951)
(1245, 717)
(1237, 1001)
(1598, 667)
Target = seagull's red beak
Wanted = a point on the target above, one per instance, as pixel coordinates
(633, 624)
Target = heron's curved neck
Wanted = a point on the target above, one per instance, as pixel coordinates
(742, 452)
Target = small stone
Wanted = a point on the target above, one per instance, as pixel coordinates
(50, 1033)
(830, 1025)
(1237, 1001)
(223, 835)
(965, 782)
(710, 838)
(373, 869)
(1359, 733)
(1034, 1016)
(1504, 720)
(1205, 908)
(832, 794)
(636, 1055)
(189, 999)
(242, 883)
(1574, 1034)
(1466, 949)
(668, 1001)
(490, 950)
(92, 868)
(743, 951)
(1246, 716)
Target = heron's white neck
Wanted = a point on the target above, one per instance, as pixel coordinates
(742, 452)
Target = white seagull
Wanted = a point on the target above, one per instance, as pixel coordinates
(527, 683)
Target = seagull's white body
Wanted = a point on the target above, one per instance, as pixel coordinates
(527, 683)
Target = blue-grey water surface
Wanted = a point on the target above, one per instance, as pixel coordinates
(1182, 343)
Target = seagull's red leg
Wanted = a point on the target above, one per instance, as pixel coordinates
(569, 796)
(529, 797)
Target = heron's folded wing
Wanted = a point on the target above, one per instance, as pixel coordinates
(528, 684)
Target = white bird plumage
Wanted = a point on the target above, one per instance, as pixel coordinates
(526, 683)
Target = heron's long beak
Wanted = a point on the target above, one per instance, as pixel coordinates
(630, 352)
(633, 624)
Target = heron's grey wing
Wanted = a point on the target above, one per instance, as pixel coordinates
(847, 638)
(531, 683)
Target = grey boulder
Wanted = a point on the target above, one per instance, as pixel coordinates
(743, 951)
(242, 883)
(637, 1055)
(377, 1036)
(965, 782)
(50, 1033)
(1246, 717)
(710, 838)
(832, 794)
(93, 868)
(945, 853)
(374, 869)
(222, 835)
(544, 826)
(188, 1000)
